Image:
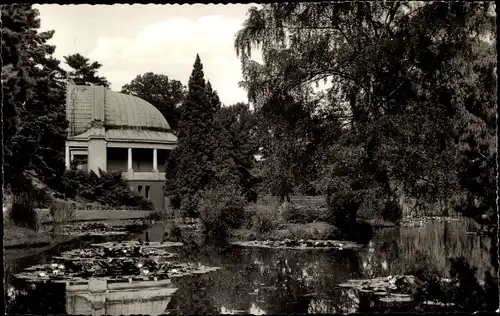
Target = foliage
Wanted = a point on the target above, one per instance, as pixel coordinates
(399, 82)
(264, 220)
(301, 214)
(392, 211)
(284, 131)
(23, 212)
(157, 216)
(222, 207)
(62, 211)
(233, 154)
(106, 188)
(84, 72)
(164, 93)
(477, 149)
(38, 145)
(189, 166)
(16, 82)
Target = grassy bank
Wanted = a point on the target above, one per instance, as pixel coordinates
(20, 237)
(99, 215)
(303, 218)
(293, 231)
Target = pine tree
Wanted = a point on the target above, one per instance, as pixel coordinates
(38, 146)
(189, 167)
(16, 83)
(84, 72)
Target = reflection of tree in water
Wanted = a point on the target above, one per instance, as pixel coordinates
(393, 249)
(38, 299)
(275, 281)
(192, 297)
(382, 256)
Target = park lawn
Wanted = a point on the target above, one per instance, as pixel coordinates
(15, 236)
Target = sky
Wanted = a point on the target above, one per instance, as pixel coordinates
(129, 40)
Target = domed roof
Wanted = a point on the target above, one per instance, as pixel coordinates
(127, 110)
(85, 104)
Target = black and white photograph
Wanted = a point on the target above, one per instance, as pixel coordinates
(330, 157)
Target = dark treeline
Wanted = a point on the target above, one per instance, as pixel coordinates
(407, 111)
(408, 108)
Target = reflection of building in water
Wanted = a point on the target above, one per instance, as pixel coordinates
(98, 297)
(254, 310)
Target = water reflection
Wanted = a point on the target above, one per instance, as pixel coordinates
(100, 297)
(395, 251)
(263, 281)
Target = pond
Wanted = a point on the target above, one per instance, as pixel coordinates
(263, 280)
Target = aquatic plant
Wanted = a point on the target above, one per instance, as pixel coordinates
(22, 211)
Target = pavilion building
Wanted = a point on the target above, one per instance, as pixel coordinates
(116, 132)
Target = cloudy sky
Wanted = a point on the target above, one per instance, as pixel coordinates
(133, 39)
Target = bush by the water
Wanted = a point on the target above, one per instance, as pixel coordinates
(301, 214)
(22, 212)
(157, 216)
(221, 208)
(108, 189)
(62, 211)
(376, 206)
(343, 207)
(263, 218)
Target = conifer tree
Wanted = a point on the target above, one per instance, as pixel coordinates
(84, 72)
(189, 167)
(38, 145)
(16, 86)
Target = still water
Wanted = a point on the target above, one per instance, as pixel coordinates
(263, 281)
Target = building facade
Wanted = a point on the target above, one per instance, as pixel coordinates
(116, 132)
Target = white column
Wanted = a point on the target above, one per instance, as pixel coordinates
(68, 161)
(130, 159)
(155, 159)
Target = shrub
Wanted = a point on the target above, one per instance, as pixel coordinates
(301, 214)
(173, 232)
(392, 212)
(157, 216)
(106, 188)
(23, 212)
(343, 207)
(62, 211)
(221, 208)
(265, 219)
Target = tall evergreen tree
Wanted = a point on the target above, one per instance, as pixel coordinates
(38, 147)
(16, 83)
(84, 72)
(189, 167)
(164, 93)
